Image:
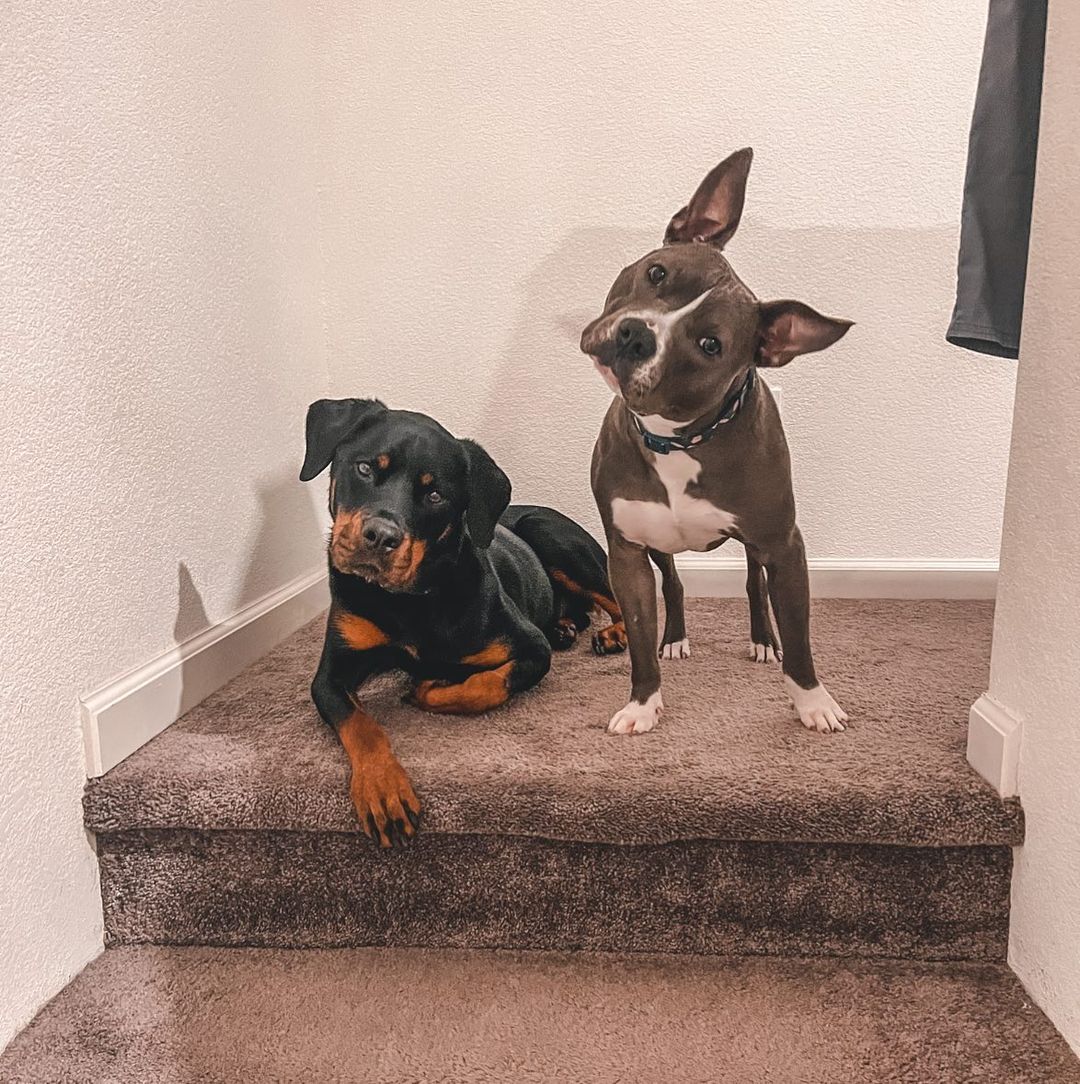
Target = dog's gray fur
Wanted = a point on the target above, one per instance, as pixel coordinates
(650, 345)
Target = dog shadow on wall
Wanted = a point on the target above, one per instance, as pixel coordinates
(544, 385)
(545, 402)
(289, 536)
(287, 542)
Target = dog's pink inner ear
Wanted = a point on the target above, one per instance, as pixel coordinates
(713, 214)
(790, 328)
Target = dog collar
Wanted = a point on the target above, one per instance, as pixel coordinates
(683, 443)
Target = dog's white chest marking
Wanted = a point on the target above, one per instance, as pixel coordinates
(684, 523)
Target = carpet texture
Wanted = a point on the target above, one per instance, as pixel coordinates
(322, 889)
(729, 761)
(185, 1016)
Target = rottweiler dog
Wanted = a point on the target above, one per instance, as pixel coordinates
(433, 572)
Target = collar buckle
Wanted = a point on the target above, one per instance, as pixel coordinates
(659, 445)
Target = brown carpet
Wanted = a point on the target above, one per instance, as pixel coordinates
(728, 830)
(728, 762)
(184, 1016)
(328, 889)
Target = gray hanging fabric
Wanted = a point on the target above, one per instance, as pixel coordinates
(996, 217)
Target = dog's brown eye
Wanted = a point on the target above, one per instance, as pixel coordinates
(363, 469)
(657, 274)
(434, 497)
(710, 345)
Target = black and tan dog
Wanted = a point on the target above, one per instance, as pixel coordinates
(692, 451)
(432, 572)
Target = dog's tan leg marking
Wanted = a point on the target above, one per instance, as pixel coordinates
(494, 654)
(611, 638)
(479, 692)
(381, 792)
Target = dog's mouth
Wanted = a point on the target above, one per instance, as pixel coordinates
(349, 566)
(616, 372)
(398, 571)
(631, 380)
(607, 374)
(628, 377)
(352, 562)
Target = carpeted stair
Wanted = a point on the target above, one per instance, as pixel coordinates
(730, 829)
(419, 1016)
(728, 832)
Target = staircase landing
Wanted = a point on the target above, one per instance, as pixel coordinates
(729, 760)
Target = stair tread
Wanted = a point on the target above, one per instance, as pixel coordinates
(230, 1015)
(728, 761)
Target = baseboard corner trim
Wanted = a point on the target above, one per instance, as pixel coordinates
(126, 713)
(993, 744)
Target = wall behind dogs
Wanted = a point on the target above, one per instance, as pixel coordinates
(489, 168)
(161, 334)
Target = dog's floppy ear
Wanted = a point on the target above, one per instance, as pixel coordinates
(489, 494)
(789, 328)
(329, 422)
(713, 213)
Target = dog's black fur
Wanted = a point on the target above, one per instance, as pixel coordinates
(432, 572)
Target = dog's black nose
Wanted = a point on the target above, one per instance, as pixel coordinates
(382, 534)
(634, 340)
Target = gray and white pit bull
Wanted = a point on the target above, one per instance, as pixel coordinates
(692, 451)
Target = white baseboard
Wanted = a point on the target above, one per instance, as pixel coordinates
(993, 744)
(125, 714)
(706, 575)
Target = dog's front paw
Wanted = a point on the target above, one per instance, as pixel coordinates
(678, 650)
(817, 709)
(637, 718)
(764, 653)
(385, 801)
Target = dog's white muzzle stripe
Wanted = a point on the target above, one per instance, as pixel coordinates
(662, 325)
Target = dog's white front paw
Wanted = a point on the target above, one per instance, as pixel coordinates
(763, 653)
(637, 718)
(817, 709)
(678, 650)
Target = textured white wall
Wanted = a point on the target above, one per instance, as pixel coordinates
(161, 335)
(482, 174)
(1035, 670)
(489, 167)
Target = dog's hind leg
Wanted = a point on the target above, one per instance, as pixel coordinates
(674, 643)
(498, 671)
(764, 643)
(571, 618)
(578, 569)
(572, 593)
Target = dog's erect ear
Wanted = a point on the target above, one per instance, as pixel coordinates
(489, 494)
(713, 213)
(790, 328)
(329, 422)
